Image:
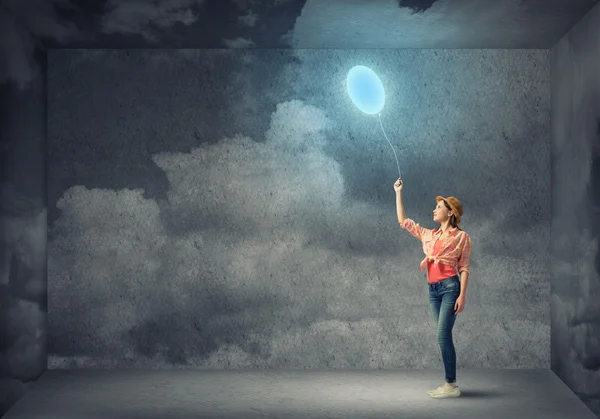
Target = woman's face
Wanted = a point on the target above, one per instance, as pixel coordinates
(440, 213)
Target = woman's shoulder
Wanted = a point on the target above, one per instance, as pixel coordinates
(460, 232)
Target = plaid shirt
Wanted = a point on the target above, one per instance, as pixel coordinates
(455, 250)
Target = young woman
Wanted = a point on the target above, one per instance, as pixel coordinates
(447, 252)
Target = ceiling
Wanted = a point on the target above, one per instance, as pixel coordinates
(436, 23)
(294, 24)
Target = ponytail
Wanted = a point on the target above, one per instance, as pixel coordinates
(453, 222)
(452, 217)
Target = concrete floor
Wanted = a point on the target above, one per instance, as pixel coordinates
(247, 394)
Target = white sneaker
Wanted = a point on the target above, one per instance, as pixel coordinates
(445, 392)
(437, 390)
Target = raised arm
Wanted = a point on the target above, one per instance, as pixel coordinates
(406, 223)
(413, 228)
(399, 205)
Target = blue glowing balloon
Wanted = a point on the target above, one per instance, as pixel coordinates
(365, 89)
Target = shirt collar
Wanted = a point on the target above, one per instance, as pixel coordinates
(452, 231)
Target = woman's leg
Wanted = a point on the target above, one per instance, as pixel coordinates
(435, 303)
(447, 317)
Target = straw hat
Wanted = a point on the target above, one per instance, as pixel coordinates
(455, 204)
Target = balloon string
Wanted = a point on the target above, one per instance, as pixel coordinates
(379, 115)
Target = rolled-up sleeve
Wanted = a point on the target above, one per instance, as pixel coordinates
(463, 260)
(413, 228)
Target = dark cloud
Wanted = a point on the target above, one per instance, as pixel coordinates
(142, 17)
(417, 5)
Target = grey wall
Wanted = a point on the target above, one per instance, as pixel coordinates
(22, 223)
(233, 209)
(575, 64)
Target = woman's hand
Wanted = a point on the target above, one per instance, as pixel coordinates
(398, 185)
(460, 304)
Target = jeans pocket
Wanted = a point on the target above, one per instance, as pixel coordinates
(451, 285)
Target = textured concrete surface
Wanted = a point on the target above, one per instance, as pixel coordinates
(575, 247)
(346, 394)
(246, 219)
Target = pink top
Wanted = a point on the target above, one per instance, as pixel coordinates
(438, 271)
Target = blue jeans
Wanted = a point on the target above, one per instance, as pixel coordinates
(442, 297)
